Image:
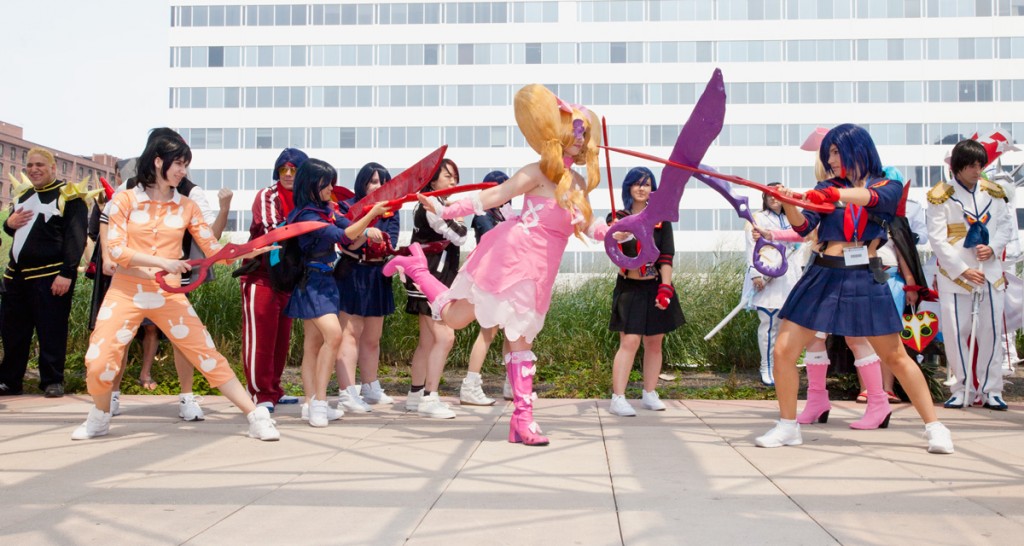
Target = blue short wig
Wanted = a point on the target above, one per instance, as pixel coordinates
(856, 150)
(365, 175)
(498, 177)
(312, 177)
(289, 155)
(635, 175)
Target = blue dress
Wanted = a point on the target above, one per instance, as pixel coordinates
(363, 288)
(317, 294)
(847, 300)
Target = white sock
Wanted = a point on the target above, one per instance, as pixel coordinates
(789, 423)
(115, 393)
(933, 425)
(184, 395)
(473, 377)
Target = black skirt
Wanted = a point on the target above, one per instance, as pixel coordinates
(633, 310)
(444, 266)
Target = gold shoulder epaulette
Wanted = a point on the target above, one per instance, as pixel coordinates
(993, 189)
(940, 193)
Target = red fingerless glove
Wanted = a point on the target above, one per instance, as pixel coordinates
(824, 195)
(664, 297)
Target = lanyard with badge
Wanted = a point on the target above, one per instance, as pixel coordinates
(856, 255)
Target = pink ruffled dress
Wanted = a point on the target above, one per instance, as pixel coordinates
(510, 274)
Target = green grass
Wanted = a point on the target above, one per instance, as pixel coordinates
(575, 348)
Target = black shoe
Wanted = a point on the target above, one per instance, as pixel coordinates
(8, 391)
(54, 390)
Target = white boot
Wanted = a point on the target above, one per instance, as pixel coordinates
(350, 401)
(431, 406)
(96, 424)
(785, 433)
(620, 406)
(472, 391)
(412, 400)
(333, 414)
(318, 413)
(372, 393)
(939, 438)
(261, 426)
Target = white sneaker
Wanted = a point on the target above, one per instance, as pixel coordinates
(783, 434)
(115, 403)
(472, 393)
(412, 400)
(349, 400)
(188, 407)
(939, 438)
(506, 391)
(96, 424)
(333, 414)
(650, 401)
(318, 413)
(261, 426)
(620, 406)
(431, 406)
(373, 394)
(268, 405)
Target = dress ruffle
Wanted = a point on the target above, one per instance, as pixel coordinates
(513, 310)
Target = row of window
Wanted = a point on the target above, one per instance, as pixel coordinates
(597, 94)
(400, 13)
(898, 49)
(501, 136)
(432, 13)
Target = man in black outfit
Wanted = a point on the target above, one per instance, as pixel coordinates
(48, 224)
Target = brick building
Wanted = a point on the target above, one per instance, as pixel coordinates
(74, 168)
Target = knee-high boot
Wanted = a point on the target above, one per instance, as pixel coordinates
(817, 407)
(414, 266)
(878, 411)
(520, 368)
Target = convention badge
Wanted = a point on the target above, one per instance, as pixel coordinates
(919, 329)
(856, 255)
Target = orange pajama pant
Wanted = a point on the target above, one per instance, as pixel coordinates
(127, 303)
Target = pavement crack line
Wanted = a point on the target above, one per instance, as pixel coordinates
(611, 479)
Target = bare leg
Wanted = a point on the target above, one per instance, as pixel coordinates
(234, 391)
(150, 345)
(479, 352)
(327, 354)
(418, 371)
(185, 370)
(652, 361)
(458, 314)
(369, 348)
(437, 355)
(345, 365)
(623, 363)
(791, 340)
(312, 341)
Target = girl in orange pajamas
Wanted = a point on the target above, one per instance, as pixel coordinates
(144, 237)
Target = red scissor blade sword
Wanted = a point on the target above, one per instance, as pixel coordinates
(232, 251)
(410, 180)
(395, 204)
(824, 207)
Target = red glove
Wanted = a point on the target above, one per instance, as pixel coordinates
(825, 195)
(664, 297)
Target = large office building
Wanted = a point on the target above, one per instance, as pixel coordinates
(389, 81)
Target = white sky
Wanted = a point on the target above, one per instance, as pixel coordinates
(85, 76)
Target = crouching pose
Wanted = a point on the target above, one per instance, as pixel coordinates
(507, 280)
(844, 290)
(144, 236)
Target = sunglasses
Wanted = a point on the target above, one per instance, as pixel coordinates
(286, 171)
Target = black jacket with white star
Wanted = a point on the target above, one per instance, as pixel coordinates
(52, 246)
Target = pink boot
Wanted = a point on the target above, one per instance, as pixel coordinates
(877, 414)
(415, 267)
(817, 406)
(520, 369)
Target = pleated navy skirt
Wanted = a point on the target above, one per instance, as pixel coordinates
(366, 292)
(845, 302)
(317, 297)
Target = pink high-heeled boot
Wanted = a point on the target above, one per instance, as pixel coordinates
(520, 368)
(415, 267)
(878, 411)
(817, 407)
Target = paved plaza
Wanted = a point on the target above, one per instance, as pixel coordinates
(689, 475)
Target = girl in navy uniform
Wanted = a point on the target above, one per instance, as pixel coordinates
(316, 299)
(844, 290)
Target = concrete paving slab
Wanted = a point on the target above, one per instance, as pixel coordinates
(689, 474)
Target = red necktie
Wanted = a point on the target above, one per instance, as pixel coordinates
(855, 216)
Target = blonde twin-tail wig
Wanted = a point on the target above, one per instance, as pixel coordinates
(548, 129)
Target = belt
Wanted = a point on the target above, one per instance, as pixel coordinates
(361, 258)
(837, 262)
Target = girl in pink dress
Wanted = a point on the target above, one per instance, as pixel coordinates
(507, 280)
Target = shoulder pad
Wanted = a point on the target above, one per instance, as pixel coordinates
(993, 189)
(940, 193)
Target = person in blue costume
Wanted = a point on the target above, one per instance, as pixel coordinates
(316, 299)
(366, 298)
(844, 290)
